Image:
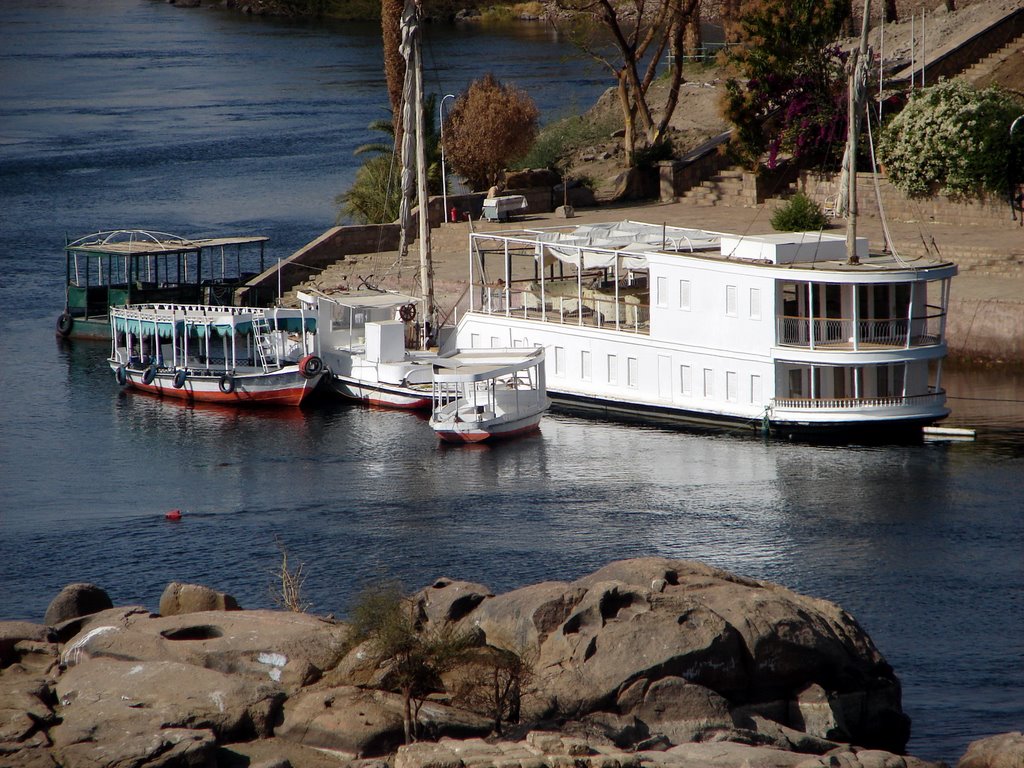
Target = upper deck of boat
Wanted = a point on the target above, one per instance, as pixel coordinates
(632, 243)
(145, 243)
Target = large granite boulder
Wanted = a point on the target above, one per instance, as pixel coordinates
(363, 723)
(175, 695)
(1005, 750)
(288, 649)
(194, 598)
(76, 600)
(691, 650)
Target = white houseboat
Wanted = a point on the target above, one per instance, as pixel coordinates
(781, 332)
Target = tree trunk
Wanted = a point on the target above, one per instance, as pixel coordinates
(628, 119)
(394, 64)
(407, 714)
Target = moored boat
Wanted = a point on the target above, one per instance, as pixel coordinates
(135, 266)
(371, 347)
(488, 394)
(229, 355)
(781, 332)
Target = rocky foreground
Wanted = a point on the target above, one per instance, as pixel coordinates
(646, 663)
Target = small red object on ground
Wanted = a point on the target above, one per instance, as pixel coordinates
(174, 514)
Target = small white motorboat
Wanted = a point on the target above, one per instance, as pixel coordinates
(487, 394)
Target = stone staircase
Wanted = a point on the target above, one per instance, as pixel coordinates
(980, 73)
(728, 188)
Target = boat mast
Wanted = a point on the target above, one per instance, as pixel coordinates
(415, 156)
(857, 85)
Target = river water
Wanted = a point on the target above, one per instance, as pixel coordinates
(127, 113)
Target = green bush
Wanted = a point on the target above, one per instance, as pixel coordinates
(557, 141)
(950, 138)
(799, 214)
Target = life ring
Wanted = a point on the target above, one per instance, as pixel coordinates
(64, 324)
(179, 378)
(226, 384)
(121, 375)
(407, 312)
(310, 366)
(150, 375)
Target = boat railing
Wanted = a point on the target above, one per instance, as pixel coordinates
(897, 333)
(933, 397)
(590, 308)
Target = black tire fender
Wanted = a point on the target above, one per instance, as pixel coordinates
(179, 378)
(64, 324)
(150, 375)
(226, 384)
(121, 375)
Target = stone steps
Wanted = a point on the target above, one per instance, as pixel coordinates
(989, 64)
(724, 188)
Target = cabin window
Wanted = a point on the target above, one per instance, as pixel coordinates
(585, 364)
(755, 389)
(632, 373)
(732, 386)
(559, 361)
(730, 300)
(662, 285)
(495, 342)
(474, 340)
(709, 383)
(755, 303)
(613, 369)
(684, 294)
(685, 385)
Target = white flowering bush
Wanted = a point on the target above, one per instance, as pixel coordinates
(951, 139)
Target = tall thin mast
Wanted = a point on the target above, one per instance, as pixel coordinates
(426, 264)
(858, 82)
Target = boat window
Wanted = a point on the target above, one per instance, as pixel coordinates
(732, 385)
(559, 361)
(685, 386)
(796, 382)
(662, 297)
(632, 373)
(755, 388)
(730, 300)
(684, 294)
(585, 364)
(613, 369)
(709, 382)
(755, 303)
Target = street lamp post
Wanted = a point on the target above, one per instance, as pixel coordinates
(444, 173)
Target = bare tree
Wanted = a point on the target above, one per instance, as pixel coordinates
(639, 31)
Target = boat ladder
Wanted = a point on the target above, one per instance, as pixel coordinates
(264, 342)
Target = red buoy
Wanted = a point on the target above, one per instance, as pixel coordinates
(174, 514)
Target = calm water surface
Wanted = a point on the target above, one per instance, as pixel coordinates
(123, 113)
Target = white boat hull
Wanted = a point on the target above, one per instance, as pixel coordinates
(477, 432)
(381, 395)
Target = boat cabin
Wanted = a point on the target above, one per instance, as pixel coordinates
(120, 267)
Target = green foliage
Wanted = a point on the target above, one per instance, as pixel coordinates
(390, 626)
(558, 141)
(376, 193)
(794, 94)
(799, 214)
(490, 126)
(953, 139)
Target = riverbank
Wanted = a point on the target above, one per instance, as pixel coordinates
(594, 673)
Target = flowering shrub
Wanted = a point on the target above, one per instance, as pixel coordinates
(952, 139)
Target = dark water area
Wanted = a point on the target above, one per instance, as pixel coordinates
(124, 113)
